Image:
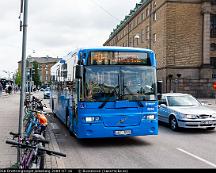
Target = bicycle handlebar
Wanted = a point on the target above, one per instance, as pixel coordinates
(49, 152)
(36, 139)
(15, 135)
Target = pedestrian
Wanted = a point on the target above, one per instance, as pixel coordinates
(10, 89)
(1, 88)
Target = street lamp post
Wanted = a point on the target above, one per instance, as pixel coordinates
(22, 95)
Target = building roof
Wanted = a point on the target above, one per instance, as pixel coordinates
(129, 17)
(42, 60)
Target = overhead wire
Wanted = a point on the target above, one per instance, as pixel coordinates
(106, 11)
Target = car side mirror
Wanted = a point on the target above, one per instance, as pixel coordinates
(163, 105)
(204, 104)
(162, 102)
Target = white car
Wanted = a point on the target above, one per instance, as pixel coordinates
(183, 110)
(47, 93)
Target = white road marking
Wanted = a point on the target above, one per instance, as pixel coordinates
(199, 158)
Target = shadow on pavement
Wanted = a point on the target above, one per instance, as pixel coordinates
(113, 142)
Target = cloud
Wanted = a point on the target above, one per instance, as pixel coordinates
(57, 26)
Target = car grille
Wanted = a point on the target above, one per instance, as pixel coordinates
(204, 116)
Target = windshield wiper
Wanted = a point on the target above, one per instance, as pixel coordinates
(138, 101)
(114, 94)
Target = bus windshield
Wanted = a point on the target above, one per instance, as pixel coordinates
(112, 83)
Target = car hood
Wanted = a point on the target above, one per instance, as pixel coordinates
(197, 110)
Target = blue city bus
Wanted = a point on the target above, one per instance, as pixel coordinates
(107, 92)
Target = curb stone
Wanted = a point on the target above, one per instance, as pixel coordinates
(59, 161)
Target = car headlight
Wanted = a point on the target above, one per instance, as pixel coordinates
(190, 116)
(214, 115)
(91, 119)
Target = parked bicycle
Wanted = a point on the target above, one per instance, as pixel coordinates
(33, 150)
(33, 140)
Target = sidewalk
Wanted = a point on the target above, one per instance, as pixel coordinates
(9, 119)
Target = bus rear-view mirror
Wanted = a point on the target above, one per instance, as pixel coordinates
(159, 89)
(79, 71)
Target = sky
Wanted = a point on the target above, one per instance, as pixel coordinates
(56, 27)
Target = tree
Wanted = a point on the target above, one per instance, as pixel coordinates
(18, 78)
(35, 74)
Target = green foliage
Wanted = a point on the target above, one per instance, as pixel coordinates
(35, 74)
(18, 78)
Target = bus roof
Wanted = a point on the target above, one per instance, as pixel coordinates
(115, 48)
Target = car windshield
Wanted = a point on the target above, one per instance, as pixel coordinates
(109, 83)
(186, 100)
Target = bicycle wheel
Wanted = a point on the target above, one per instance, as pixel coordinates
(42, 160)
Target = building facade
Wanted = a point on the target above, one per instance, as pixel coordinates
(44, 67)
(183, 35)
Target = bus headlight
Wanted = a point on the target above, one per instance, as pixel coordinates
(91, 119)
(150, 117)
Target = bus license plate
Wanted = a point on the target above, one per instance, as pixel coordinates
(207, 122)
(122, 132)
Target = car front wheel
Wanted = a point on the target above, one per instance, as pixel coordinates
(173, 123)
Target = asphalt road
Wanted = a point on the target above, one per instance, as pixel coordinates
(195, 148)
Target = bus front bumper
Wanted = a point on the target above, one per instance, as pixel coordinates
(147, 127)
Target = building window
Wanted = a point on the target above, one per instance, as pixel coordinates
(147, 33)
(213, 61)
(130, 41)
(138, 20)
(130, 27)
(213, 25)
(213, 2)
(133, 41)
(142, 16)
(213, 47)
(147, 12)
(154, 16)
(155, 37)
(142, 35)
(134, 23)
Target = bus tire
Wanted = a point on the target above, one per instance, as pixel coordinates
(72, 133)
(42, 160)
(52, 104)
(67, 118)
